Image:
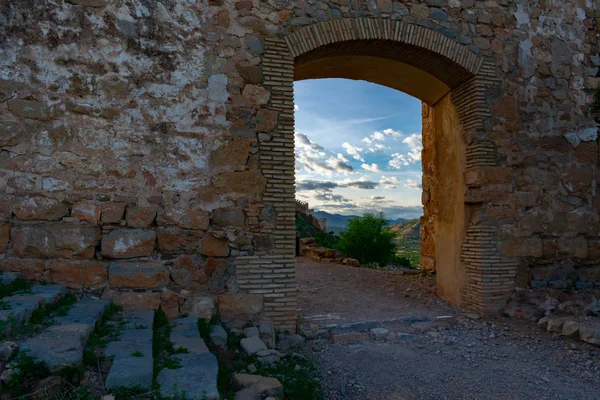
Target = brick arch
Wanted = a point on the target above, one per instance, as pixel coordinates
(467, 76)
(466, 73)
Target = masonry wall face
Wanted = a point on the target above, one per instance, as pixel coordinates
(146, 147)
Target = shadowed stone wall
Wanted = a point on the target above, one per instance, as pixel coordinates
(146, 147)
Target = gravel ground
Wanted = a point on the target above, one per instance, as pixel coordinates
(464, 357)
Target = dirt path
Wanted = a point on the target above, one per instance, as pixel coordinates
(469, 358)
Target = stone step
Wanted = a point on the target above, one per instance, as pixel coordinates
(197, 376)
(18, 308)
(62, 345)
(133, 362)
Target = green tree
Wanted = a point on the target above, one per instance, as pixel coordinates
(368, 239)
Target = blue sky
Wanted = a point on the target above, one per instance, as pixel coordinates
(358, 148)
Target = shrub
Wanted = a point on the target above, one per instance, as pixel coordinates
(368, 239)
(327, 240)
(401, 261)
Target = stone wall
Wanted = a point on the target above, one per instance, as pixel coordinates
(146, 147)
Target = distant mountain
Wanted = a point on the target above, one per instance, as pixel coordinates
(408, 230)
(337, 222)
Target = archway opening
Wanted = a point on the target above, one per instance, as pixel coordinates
(431, 80)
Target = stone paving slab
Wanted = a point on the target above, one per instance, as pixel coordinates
(59, 346)
(139, 319)
(129, 370)
(20, 306)
(185, 327)
(6, 278)
(50, 293)
(86, 311)
(120, 349)
(27, 303)
(197, 377)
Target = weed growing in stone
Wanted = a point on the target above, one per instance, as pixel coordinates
(18, 285)
(137, 353)
(27, 372)
(298, 375)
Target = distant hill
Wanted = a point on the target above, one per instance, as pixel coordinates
(337, 222)
(408, 230)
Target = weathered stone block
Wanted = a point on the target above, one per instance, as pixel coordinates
(225, 217)
(10, 133)
(170, 302)
(256, 95)
(140, 217)
(239, 184)
(212, 246)
(86, 212)
(4, 235)
(481, 176)
(91, 3)
(199, 306)
(112, 213)
(78, 274)
(128, 243)
(55, 240)
(137, 275)
(184, 218)
(133, 301)
(240, 308)
(40, 208)
(34, 109)
(266, 120)
(231, 156)
(173, 240)
(262, 242)
(189, 272)
(29, 269)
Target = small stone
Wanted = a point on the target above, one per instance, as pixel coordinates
(268, 356)
(570, 328)
(252, 345)
(267, 333)
(263, 385)
(247, 394)
(218, 335)
(252, 368)
(379, 333)
(555, 324)
(8, 350)
(590, 334)
(252, 332)
(349, 337)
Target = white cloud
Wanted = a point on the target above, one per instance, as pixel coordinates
(415, 146)
(409, 183)
(389, 182)
(312, 157)
(375, 136)
(343, 158)
(378, 148)
(373, 167)
(393, 133)
(296, 107)
(353, 151)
